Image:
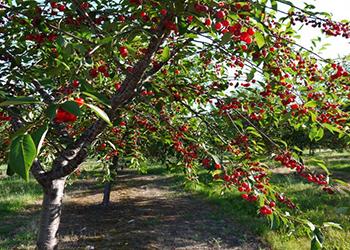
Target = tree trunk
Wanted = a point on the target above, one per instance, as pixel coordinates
(51, 215)
(107, 194)
(108, 186)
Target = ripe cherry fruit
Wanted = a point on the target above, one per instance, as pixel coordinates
(75, 83)
(163, 12)
(117, 86)
(79, 101)
(218, 26)
(123, 51)
(220, 14)
(265, 210)
(207, 22)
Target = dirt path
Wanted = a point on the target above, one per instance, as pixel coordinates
(146, 214)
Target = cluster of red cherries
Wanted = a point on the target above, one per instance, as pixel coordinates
(329, 27)
(103, 69)
(188, 152)
(145, 123)
(250, 192)
(64, 116)
(4, 117)
(286, 160)
(41, 38)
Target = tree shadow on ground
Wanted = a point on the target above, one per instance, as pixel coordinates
(145, 214)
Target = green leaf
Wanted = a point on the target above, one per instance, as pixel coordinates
(260, 39)
(320, 134)
(297, 149)
(310, 224)
(19, 100)
(316, 134)
(9, 171)
(38, 137)
(22, 155)
(105, 40)
(253, 131)
(313, 116)
(251, 74)
(216, 172)
(343, 183)
(215, 158)
(319, 235)
(332, 224)
(274, 4)
(323, 166)
(226, 38)
(90, 91)
(316, 244)
(310, 104)
(51, 111)
(72, 107)
(331, 128)
(100, 113)
(179, 7)
(166, 54)
(59, 62)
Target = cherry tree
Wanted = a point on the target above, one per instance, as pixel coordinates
(206, 82)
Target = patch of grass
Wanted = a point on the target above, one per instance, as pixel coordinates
(315, 205)
(18, 223)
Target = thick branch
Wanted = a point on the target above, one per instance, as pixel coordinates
(70, 159)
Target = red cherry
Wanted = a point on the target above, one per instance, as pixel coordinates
(245, 196)
(221, 4)
(123, 51)
(253, 198)
(251, 31)
(294, 106)
(217, 166)
(79, 101)
(220, 14)
(93, 73)
(226, 23)
(53, 5)
(84, 5)
(227, 178)
(61, 7)
(184, 128)
(75, 83)
(265, 210)
(102, 68)
(272, 204)
(207, 22)
(245, 185)
(121, 18)
(218, 26)
(163, 12)
(117, 86)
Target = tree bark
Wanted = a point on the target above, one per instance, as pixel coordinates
(108, 186)
(51, 215)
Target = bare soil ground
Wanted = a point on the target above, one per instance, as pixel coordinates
(146, 214)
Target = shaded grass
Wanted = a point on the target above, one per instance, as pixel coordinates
(17, 214)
